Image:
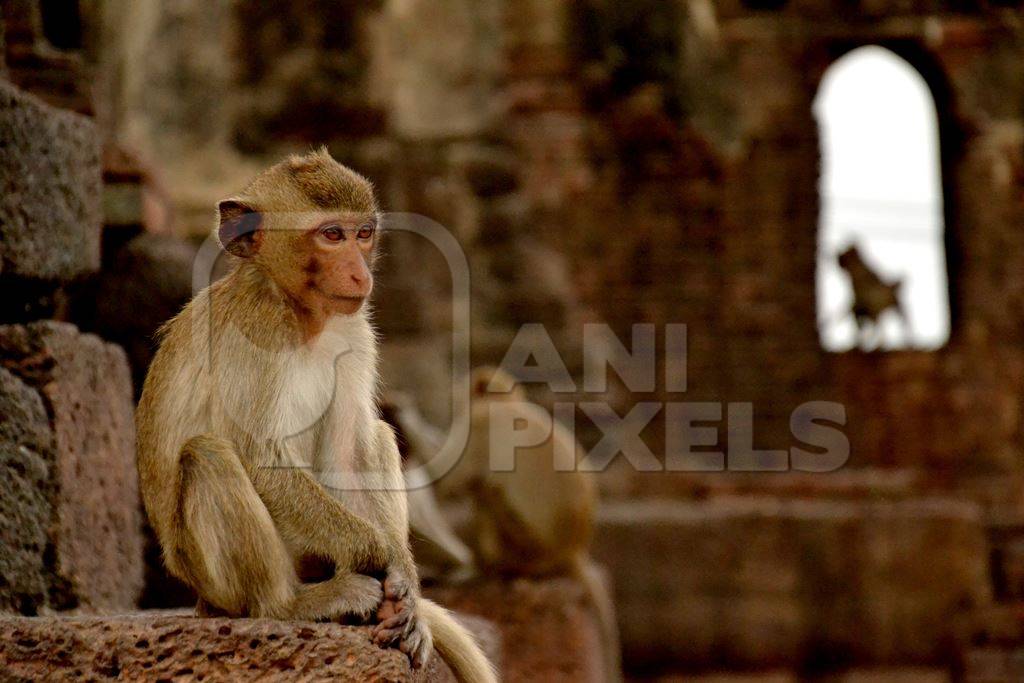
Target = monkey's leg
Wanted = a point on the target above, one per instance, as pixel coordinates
(309, 518)
(226, 546)
(232, 554)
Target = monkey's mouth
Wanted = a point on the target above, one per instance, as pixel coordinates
(341, 298)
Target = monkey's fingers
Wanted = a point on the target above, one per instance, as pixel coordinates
(388, 637)
(417, 646)
(392, 628)
(412, 646)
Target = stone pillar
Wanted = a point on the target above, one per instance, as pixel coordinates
(71, 473)
(71, 530)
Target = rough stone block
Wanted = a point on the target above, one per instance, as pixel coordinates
(548, 630)
(901, 675)
(50, 204)
(994, 665)
(165, 646)
(746, 677)
(96, 530)
(435, 95)
(772, 583)
(26, 443)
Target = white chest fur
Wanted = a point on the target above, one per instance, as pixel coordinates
(334, 384)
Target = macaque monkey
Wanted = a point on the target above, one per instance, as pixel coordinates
(438, 547)
(535, 520)
(872, 296)
(274, 489)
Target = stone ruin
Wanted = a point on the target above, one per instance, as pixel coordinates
(653, 161)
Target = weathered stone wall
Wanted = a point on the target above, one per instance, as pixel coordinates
(72, 530)
(26, 443)
(60, 77)
(807, 584)
(548, 628)
(691, 197)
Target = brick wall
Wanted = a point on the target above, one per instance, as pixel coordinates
(709, 217)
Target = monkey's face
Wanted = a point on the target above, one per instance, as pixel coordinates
(310, 224)
(326, 267)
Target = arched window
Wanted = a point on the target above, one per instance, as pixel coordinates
(882, 276)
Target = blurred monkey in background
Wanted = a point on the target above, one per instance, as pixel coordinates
(438, 549)
(535, 520)
(872, 296)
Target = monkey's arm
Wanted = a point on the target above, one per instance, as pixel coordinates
(310, 518)
(400, 621)
(392, 505)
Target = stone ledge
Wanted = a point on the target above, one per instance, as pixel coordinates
(170, 645)
(897, 675)
(549, 631)
(994, 665)
(789, 583)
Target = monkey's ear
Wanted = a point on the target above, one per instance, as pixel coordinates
(239, 228)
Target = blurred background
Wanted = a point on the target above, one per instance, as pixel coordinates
(828, 193)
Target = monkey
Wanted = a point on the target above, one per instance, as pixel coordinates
(533, 521)
(260, 451)
(872, 296)
(438, 546)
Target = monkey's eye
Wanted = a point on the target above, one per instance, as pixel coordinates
(365, 231)
(333, 233)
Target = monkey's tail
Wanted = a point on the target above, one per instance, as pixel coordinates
(598, 594)
(457, 646)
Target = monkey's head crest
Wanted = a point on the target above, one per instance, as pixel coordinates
(307, 183)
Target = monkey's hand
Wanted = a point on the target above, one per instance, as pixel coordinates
(399, 624)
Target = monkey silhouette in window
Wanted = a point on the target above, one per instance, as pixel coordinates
(872, 296)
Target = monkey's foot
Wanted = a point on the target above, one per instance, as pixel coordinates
(206, 610)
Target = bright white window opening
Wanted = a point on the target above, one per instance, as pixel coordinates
(881, 192)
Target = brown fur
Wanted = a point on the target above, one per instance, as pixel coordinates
(258, 423)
